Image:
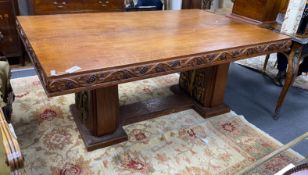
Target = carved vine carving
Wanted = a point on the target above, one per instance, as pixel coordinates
(31, 54)
(196, 82)
(82, 102)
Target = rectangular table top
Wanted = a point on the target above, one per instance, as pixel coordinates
(111, 48)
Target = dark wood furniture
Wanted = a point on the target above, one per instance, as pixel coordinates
(264, 13)
(44, 7)
(114, 48)
(191, 4)
(10, 46)
(298, 40)
(258, 11)
(294, 60)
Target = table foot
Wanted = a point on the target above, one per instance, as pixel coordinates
(206, 112)
(94, 142)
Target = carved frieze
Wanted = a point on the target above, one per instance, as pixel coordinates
(82, 104)
(196, 82)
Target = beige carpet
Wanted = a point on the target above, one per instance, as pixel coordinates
(172, 144)
(258, 62)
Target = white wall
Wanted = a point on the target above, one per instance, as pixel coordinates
(23, 7)
(175, 4)
(293, 16)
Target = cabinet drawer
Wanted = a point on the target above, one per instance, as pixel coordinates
(9, 46)
(41, 7)
(104, 5)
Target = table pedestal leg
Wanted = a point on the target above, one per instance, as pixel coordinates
(99, 117)
(96, 114)
(207, 87)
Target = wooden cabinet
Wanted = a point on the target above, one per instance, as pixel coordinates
(55, 6)
(10, 46)
(43, 7)
(191, 4)
(259, 11)
(104, 5)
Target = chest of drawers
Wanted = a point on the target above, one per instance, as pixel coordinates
(44, 7)
(259, 11)
(191, 4)
(10, 45)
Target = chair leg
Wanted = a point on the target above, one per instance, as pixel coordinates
(265, 62)
(293, 64)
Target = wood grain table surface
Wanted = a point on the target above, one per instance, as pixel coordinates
(100, 42)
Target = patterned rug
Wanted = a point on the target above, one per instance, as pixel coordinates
(177, 144)
(258, 62)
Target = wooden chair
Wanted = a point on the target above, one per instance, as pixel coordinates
(266, 62)
(6, 92)
(268, 56)
(11, 159)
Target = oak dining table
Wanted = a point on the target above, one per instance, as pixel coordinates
(111, 48)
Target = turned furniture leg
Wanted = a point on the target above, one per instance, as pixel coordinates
(207, 87)
(293, 64)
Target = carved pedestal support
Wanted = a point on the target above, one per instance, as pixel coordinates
(100, 119)
(207, 87)
(97, 117)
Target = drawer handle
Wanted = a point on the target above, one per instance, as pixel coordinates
(62, 4)
(102, 3)
(2, 17)
(1, 36)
